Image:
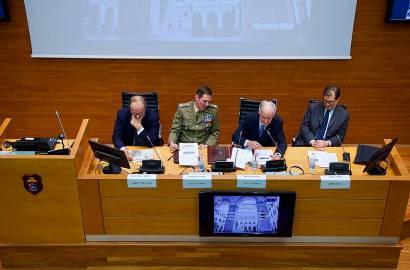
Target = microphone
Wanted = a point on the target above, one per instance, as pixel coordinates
(237, 149)
(61, 137)
(152, 145)
(276, 144)
(275, 165)
(346, 155)
(152, 165)
(64, 133)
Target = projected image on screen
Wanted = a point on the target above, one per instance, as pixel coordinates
(185, 20)
(246, 214)
(191, 29)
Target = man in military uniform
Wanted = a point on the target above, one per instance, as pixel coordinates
(195, 121)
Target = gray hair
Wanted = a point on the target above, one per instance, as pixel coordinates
(266, 103)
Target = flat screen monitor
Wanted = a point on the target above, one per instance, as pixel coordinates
(373, 166)
(4, 11)
(115, 157)
(268, 214)
(398, 11)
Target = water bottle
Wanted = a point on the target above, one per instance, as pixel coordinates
(201, 164)
(312, 162)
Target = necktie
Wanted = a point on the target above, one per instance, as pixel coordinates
(261, 129)
(321, 133)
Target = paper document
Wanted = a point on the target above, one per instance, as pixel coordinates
(323, 158)
(263, 155)
(17, 153)
(188, 154)
(241, 156)
(140, 155)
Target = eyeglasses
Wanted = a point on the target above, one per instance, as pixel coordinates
(328, 101)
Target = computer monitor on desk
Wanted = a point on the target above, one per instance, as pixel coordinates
(115, 157)
(373, 166)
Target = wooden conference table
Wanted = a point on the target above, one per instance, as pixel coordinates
(85, 218)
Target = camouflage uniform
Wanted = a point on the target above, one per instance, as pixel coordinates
(200, 127)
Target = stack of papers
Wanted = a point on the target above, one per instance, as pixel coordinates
(262, 156)
(140, 155)
(188, 154)
(322, 158)
(241, 156)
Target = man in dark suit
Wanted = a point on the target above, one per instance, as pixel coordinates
(324, 123)
(135, 124)
(263, 128)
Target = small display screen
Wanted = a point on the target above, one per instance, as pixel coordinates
(398, 11)
(246, 213)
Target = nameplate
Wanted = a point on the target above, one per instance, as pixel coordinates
(142, 181)
(251, 181)
(197, 181)
(335, 182)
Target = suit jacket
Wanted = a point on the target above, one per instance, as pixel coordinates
(250, 131)
(312, 121)
(124, 132)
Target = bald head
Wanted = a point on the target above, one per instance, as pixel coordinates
(267, 110)
(137, 106)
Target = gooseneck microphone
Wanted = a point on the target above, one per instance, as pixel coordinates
(346, 155)
(64, 133)
(152, 165)
(237, 149)
(276, 144)
(152, 145)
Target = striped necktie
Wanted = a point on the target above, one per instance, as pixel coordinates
(321, 133)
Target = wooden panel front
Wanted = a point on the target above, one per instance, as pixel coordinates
(169, 209)
(200, 255)
(51, 216)
(374, 83)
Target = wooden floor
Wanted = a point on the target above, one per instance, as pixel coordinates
(404, 263)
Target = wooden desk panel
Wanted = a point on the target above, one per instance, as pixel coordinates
(169, 209)
(51, 216)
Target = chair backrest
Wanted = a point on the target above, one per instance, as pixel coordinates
(151, 99)
(248, 105)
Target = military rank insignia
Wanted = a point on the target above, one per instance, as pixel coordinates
(33, 183)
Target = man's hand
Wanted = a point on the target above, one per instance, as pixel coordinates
(276, 156)
(173, 146)
(253, 144)
(202, 146)
(136, 122)
(128, 154)
(320, 145)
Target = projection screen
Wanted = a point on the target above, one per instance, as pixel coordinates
(191, 29)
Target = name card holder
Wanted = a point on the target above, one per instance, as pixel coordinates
(142, 181)
(335, 182)
(197, 181)
(251, 181)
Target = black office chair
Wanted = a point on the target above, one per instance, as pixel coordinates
(151, 100)
(248, 105)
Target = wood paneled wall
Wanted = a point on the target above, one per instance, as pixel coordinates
(375, 83)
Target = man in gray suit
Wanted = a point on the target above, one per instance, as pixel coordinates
(324, 123)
